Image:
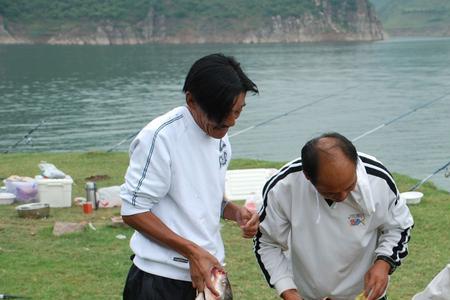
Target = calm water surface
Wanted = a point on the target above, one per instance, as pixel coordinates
(92, 97)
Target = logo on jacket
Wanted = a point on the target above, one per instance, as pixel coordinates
(223, 158)
(357, 219)
(222, 145)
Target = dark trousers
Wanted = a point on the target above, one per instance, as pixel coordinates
(144, 286)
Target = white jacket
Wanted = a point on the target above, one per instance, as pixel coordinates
(325, 250)
(177, 172)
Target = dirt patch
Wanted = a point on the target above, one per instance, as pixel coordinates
(97, 177)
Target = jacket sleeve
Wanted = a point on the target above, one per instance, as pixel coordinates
(395, 232)
(148, 176)
(271, 243)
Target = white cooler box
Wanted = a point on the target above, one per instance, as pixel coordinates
(55, 192)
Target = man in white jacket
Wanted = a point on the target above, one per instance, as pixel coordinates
(332, 224)
(173, 193)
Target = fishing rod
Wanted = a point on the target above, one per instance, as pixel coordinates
(400, 117)
(429, 176)
(25, 137)
(288, 112)
(123, 141)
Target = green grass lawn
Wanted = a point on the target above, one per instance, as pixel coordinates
(93, 264)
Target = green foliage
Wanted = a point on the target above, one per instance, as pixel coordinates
(134, 10)
(24, 10)
(414, 16)
(180, 15)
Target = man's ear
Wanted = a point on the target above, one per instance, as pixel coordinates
(190, 100)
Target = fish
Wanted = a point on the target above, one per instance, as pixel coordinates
(361, 296)
(221, 284)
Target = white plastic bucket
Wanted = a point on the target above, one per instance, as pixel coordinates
(412, 197)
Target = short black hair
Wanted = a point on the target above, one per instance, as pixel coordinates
(214, 82)
(310, 153)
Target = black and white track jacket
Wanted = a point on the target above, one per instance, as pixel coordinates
(322, 249)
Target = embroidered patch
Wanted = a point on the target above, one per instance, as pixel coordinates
(357, 219)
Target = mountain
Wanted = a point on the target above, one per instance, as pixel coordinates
(186, 21)
(414, 17)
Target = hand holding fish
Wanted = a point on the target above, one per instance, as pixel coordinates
(248, 221)
(376, 280)
(201, 263)
(221, 283)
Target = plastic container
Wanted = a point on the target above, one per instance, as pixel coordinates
(253, 202)
(25, 191)
(412, 197)
(87, 207)
(7, 198)
(33, 210)
(55, 192)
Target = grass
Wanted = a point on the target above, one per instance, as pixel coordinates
(93, 264)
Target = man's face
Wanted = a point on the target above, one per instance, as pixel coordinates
(336, 181)
(213, 129)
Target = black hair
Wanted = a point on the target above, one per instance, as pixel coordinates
(310, 153)
(214, 82)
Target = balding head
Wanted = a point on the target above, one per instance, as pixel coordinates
(329, 162)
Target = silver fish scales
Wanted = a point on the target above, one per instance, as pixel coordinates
(221, 284)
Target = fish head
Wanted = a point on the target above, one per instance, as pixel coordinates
(221, 284)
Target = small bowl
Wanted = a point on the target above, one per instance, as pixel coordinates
(412, 197)
(33, 210)
(7, 198)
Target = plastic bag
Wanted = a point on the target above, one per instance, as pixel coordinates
(50, 171)
(438, 288)
(109, 197)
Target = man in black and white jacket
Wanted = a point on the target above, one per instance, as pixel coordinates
(332, 224)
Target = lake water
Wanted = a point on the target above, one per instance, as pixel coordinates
(92, 97)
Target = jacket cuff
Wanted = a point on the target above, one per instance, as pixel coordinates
(128, 209)
(284, 284)
(390, 261)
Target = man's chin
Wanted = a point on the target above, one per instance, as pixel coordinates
(219, 133)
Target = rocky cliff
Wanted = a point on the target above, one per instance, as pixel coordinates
(6, 37)
(331, 20)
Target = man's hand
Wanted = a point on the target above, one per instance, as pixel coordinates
(248, 222)
(291, 295)
(201, 263)
(376, 280)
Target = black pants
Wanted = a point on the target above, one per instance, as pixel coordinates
(144, 286)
